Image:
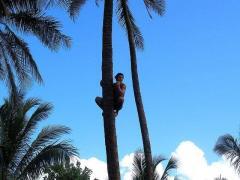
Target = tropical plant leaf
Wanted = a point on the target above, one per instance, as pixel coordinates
(124, 14)
(25, 158)
(157, 6)
(46, 28)
(171, 165)
(75, 7)
(229, 147)
(139, 166)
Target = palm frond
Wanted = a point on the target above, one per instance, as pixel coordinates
(51, 154)
(172, 164)
(45, 4)
(156, 161)
(75, 7)
(23, 159)
(12, 122)
(28, 16)
(127, 21)
(21, 57)
(16, 5)
(13, 57)
(42, 112)
(2, 71)
(229, 147)
(46, 28)
(157, 6)
(9, 78)
(30, 103)
(16, 52)
(45, 137)
(139, 165)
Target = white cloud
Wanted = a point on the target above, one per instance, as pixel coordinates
(98, 167)
(191, 159)
(127, 160)
(126, 166)
(194, 166)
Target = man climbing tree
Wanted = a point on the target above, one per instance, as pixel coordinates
(119, 89)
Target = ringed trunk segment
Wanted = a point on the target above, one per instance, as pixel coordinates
(107, 94)
(139, 104)
(142, 121)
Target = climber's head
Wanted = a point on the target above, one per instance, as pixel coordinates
(119, 77)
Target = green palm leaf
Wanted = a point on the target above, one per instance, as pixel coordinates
(139, 167)
(229, 147)
(24, 158)
(20, 57)
(17, 66)
(46, 28)
(51, 154)
(75, 7)
(124, 14)
(157, 6)
(171, 165)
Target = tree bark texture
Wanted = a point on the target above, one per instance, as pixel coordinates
(138, 101)
(107, 79)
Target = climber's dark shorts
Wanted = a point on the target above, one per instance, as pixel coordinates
(118, 104)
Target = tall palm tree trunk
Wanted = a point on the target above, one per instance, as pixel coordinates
(107, 77)
(138, 100)
(2, 164)
(3, 168)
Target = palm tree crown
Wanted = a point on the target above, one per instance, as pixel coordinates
(25, 16)
(23, 157)
(139, 167)
(135, 40)
(229, 147)
(127, 21)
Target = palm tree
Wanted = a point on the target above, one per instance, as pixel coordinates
(107, 88)
(25, 16)
(135, 40)
(139, 167)
(107, 92)
(23, 157)
(229, 147)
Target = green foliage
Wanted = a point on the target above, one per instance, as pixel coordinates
(123, 12)
(139, 167)
(17, 66)
(67, 171)
(229, 147)
(23, 157)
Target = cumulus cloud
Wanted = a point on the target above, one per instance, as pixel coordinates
(98, 167)
(126, 166)
(194, 166)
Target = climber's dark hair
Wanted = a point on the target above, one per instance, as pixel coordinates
(119, 74)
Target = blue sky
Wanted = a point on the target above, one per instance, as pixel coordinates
(189, 73)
